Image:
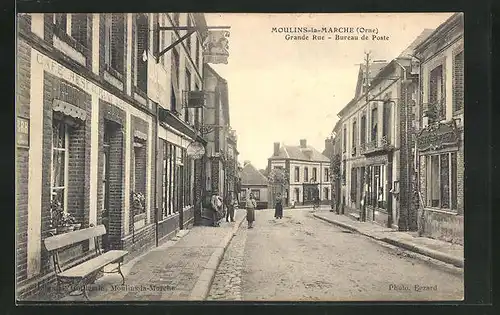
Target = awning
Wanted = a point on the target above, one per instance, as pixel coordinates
(140, 135)
(68, 109)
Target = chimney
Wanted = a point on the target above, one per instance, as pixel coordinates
(276, 149)
(303, 143)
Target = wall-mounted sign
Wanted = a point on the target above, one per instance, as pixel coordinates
(23, 131)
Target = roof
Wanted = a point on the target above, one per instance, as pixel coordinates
(420, 39)
(295, 152)
(250, 176)
(373, 71)
(442, 28)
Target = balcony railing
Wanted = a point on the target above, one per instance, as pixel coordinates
(376, 146)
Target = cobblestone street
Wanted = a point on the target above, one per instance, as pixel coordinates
(302, 258)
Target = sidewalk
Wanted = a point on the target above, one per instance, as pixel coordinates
(439, 250)
(180, 269)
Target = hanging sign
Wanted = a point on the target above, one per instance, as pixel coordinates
(195, 150)
(216, 47)
(23, 131)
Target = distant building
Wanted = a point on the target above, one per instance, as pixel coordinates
(253, 181)
(308, 172)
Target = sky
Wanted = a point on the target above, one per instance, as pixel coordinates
(286, 90)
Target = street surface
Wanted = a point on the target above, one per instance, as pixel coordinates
(303, 258)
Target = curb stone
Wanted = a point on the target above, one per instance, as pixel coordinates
(202, 286)
(457, 262)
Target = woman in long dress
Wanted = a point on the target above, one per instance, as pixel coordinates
(278, 208)
(251, 204)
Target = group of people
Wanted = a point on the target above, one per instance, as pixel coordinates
(221, 208)
(218, 208)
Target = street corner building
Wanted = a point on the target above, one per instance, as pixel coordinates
(307, 173)
(397, 149)
(221, 159)
(254, 182)
(105, 115)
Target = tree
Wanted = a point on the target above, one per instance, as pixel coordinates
(278, 181)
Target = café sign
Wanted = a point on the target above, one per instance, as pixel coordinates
(438, 136)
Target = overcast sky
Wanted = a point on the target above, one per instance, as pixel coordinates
(284, 90)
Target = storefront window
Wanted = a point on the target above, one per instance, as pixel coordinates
(442, 181)
(376, 191)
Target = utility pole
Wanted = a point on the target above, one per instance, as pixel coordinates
(367, 73)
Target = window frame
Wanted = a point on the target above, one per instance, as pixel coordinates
(306, 174)
(138, 55)
(66, 165)
(297, 174)
(440, 98)
(452, 183)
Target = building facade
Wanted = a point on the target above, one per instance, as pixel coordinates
(89, 135)
(308, 173)
(440, 140)
(402, 138)
(253, 181)
(376, 159)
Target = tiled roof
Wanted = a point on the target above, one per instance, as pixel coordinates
(297, 153)
(251, 176)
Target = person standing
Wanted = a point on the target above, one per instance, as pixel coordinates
(216, 203)
(251, 204)
(230, 208)
(278, 208)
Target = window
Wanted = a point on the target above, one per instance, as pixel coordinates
(297, 174)
(80, 28)
(177, 178)
(60, 163)
(256, 194)
(315, 174)
(344, 139)
(442, 181)
(114, 41)
(187, 180)
(374, 124)
(175, 80)
(354, 184)
(354, 136)
(141, 79)
(363, 130)
(139, 164)
(376, 192)
(327, 174)
(306, 174)
(436, 92)
(458, 82)
(326, 193)
(386, 127)
(187, 88)
(105, 166)
(61, 21)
